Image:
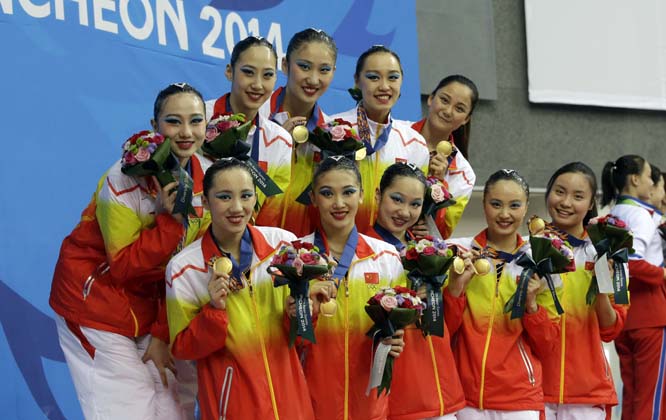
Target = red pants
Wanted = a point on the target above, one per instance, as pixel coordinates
(642, 355)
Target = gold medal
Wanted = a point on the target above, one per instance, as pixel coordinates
(328, 308)
(458, 265)
(300, 134)
(445, 148)
(222, 265)
(360, 154)
(482, 266)
(536, 225)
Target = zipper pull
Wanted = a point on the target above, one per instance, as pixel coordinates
(346, 287)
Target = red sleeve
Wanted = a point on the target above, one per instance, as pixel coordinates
(543, 332)
(643, 271)
(609, 334)
(453, 310)
(146, 257)
(440, 222)
(206, 334)
(160, 328)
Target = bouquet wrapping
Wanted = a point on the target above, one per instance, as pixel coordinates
(427, 262)
(612, 240)
(148, 153)
(295, 265)
(391, 309)
(550, 255)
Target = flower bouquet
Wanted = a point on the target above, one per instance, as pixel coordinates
(336, 137)
(436, 197)
(148, 153)
(550, 255)
(427, 262)
(612, 240)
(295, 265)
(225, 136)
(391, 309)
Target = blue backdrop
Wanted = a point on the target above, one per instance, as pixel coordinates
(78, 78)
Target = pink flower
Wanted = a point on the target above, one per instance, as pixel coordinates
(337, 133)
(211, 133)
(388, 302)
(227, 125)
(309, 259)
(142, 155)
(437, 193)
(429, 250)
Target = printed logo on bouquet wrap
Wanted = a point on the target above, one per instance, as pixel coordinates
(148, 153)
(550, 255)
(295, 265)
(427, 262)
(391, 309)
(612, 241)
(335, 138)
(226, 136)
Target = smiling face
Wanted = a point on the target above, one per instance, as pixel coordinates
(569, 200)
(505, 206)
(400, 204)
(252, 79)
(182, 119)
(449, 107)
(309, 71)
(337, 196)
(380, 80)
(230, 199)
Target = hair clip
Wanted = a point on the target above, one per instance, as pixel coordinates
(257, 37)
(180, 85)
(509, 172)
(410, 165)
(337, 158)
(317, 30)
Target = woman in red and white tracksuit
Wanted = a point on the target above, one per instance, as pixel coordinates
(233, 325)
(338, 366)
(252, 71)
(108, 285)
(577, 380)
(378, 77)
(450, 107)
(641, 346)
(309, 65)
(496, 355)
(425, 380)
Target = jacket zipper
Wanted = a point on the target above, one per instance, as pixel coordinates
(487, 345)
(563, 349)
(436, 372)
(346, 402)
(267, 368)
